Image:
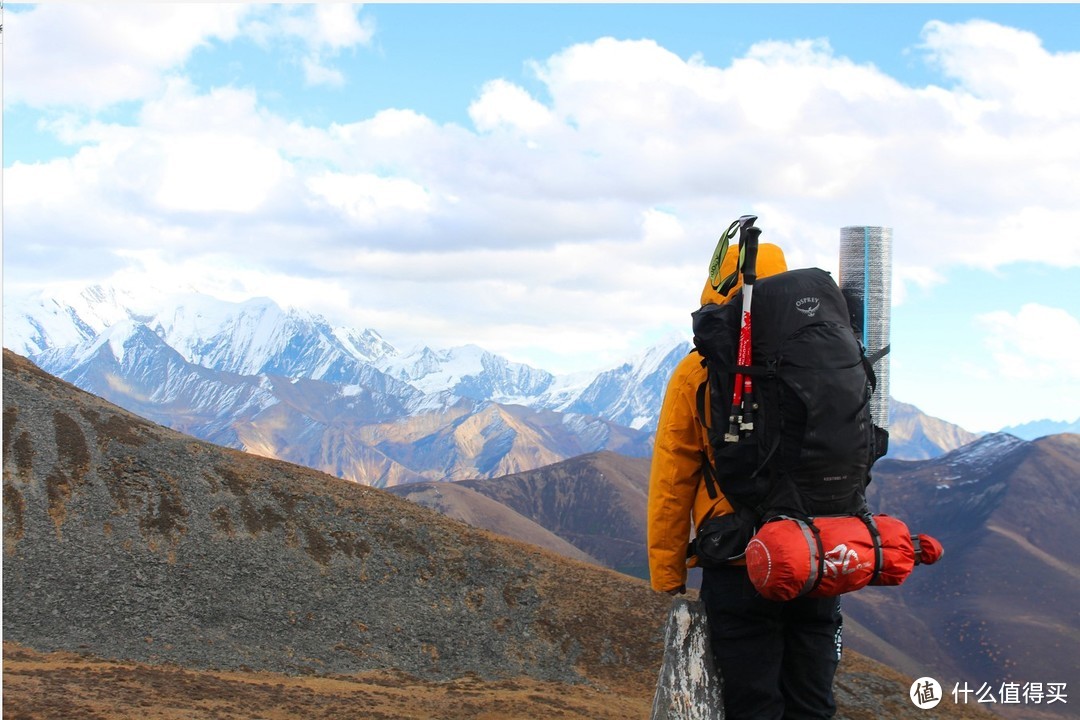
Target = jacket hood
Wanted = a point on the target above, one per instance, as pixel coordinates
(770, 261)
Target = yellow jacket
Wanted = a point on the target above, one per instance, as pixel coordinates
(677, 494)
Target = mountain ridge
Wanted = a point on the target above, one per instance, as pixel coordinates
(1043, 428)
(288, 384)
(915, 435)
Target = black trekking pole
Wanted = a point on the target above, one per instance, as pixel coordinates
(742, 399)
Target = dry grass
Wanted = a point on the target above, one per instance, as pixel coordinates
(67, 686)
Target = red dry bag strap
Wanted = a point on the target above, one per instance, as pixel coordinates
(817, 555)
(879, 553)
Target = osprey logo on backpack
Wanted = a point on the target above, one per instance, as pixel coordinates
(808, 305)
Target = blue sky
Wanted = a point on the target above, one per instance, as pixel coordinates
(547, 181)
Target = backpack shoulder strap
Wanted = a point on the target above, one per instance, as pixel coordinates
(708, 471)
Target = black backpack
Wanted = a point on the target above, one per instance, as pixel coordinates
(813, 441)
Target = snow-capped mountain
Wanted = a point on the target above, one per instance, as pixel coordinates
(133, 367)
(632, 393)
(258, 337)
(251, 337)
(469, 372)
(65, 318)
(286, 383)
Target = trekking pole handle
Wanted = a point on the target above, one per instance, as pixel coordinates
(749, 249)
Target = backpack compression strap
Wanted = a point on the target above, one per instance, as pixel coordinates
(879, 354)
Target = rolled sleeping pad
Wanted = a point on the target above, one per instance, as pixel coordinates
(866, 282)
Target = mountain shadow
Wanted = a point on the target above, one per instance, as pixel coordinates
(594, 502)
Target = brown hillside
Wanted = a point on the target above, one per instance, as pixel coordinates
(455, 500)
(64, 686)
(133, 542)
(999, 607)
(597, 502)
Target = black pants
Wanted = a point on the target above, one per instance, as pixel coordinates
(777, 659)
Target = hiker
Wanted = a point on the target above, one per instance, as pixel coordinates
(776, 659)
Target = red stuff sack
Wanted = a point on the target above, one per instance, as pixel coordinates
(828, 556)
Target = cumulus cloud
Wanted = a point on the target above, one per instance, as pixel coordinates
(336, 26)
(94, 55)
(366, 199)
(1008, 67)
(1032, 361)
(590, 213)
(205, 173)
(324, 30)
(503, 104)
(1037, 343)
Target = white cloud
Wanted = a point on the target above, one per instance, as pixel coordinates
(97, 54)
(204, 173)
(315, 73)
(1027, 368)
(906, 277)
(591, 214)
(338, 26)
(94, 55)
(503, 104)
(366, 198)
(1007, 66)
(323, 30)
(323, 27)
(1038, 343)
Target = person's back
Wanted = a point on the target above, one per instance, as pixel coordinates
(777, 660)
